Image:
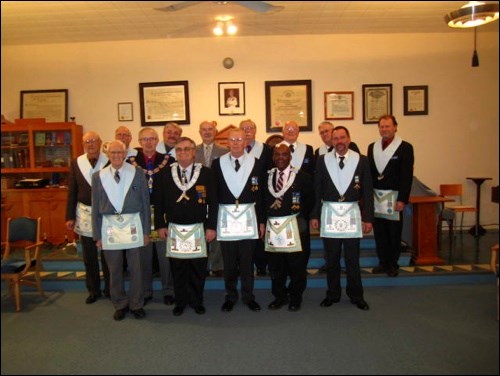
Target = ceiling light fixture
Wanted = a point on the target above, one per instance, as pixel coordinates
(472, 14)
(225, 25)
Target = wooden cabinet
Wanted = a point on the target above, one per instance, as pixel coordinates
(47, 203)
(35, 149)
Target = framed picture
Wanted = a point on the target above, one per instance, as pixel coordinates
(377, 101)
(416, 99)
(231, 98)
(339, 105)
(162, 102)
(288, 100)
(125, 111)
(49, 104)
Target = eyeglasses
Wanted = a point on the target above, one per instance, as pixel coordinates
(186, 149)
(236, 139)
(91, 140)
(247, 129)
(149, 139)
(116, 152)
(123, 135)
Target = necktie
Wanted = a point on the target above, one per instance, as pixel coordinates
(184, 177)
(206, 156)
(292, 148)
(237, 165)
(249, 148)
(341, 163)
(117, 176)
(330, 148)
(93, 162)
(279, 184)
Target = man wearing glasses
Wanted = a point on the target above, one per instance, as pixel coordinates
(152, 163)
(79, 212)
(123, 134)
(185, 201)
(240, 219)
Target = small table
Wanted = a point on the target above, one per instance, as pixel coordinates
(425, 229)
(477, 230)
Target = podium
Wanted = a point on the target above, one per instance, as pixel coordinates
(425, 229)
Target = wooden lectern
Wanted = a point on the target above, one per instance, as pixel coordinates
(425, 229)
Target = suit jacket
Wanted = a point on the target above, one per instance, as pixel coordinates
(136, 201)
(250, 193)
(265, 158)
(360, 188)
(202, 206)
(140, 161)
(217, 151)
(79, 190)
(398, 174)
(301, 190)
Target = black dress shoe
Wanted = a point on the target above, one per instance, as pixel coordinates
(138, 313)
(361, 304)
(227, 306)
(294, 307)
(277, 304)
(120, 314)
(178, 310)
(199, 309)
(327, 302)
(168, 300)
(253, 305)
(92, 298)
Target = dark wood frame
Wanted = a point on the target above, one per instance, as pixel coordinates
(121, 116)
(240, 109)
(330, 115)
(277, 125)
(163, 101)
(27, 96)
(368, 117)
(424, 89)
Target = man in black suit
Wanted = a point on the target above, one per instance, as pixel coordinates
(79, 212)
(391, 162)
(263, 153)
(303, 160)
(185, 201)
(241, 220)
(152, 163)
(288, 201)
(343, 184)
(325, 131)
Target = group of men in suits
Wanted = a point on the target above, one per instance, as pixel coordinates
(257, 206)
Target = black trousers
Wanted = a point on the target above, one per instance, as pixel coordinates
(91, 262)
(283, 265)
(388, 241)
(354, 287)
(189, 280)
(238, 261)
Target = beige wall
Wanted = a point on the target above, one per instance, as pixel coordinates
(458, 138)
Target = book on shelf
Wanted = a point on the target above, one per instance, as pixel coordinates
(40, 139)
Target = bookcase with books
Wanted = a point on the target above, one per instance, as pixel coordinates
(39, 154)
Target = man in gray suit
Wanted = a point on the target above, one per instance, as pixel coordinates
(206, 152)
(121, 224)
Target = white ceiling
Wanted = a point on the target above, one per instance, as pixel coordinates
(35, 22)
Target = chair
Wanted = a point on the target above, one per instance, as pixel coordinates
(274, 139)
(449, 212)
(22, 256)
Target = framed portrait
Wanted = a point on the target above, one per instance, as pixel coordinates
(49, 104)
(125, 111)
(288, 100)
(162, 102)
(377, 101)
(339, 105)
(416, 100)
(231, 98)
